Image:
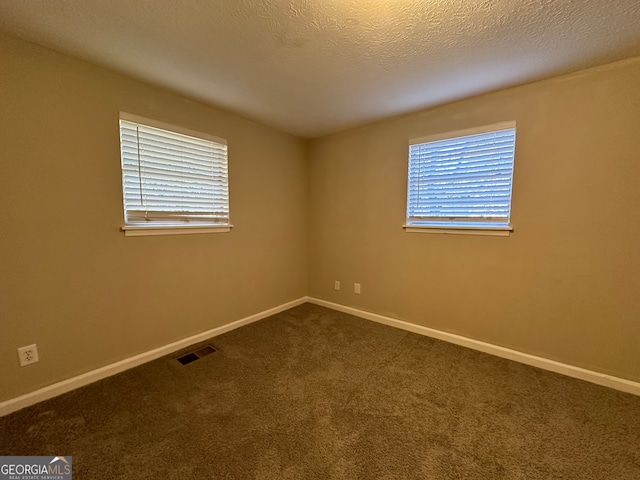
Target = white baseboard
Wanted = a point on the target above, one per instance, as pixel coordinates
(64, 386)
(540, 362)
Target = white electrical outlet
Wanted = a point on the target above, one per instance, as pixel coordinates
(28, 355)
(336, 285)
(356, 288)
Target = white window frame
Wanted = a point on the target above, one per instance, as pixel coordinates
(178, 226)
(459, 225)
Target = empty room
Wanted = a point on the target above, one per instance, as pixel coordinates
(320, 239)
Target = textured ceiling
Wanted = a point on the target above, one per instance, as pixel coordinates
(311, 67)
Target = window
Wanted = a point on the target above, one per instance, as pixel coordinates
(173, 180)
(461, 182)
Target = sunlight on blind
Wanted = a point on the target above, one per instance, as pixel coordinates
(464, 180)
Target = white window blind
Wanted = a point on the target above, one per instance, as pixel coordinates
(462, 180)
(172, 179)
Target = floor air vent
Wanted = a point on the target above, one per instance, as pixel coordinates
(198, 354)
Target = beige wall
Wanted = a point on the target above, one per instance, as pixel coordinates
(565, 285)
(70, 281)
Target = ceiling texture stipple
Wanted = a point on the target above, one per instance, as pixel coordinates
(312, 67)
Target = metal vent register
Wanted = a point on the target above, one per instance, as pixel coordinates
(197, 355)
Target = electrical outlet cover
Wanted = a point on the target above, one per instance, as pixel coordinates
(28, 355)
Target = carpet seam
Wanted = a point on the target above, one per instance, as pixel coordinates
(381, 364)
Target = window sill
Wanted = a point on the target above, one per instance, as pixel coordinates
(144, 230)
(460, 230)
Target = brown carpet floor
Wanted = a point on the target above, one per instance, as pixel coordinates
(315, 394)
